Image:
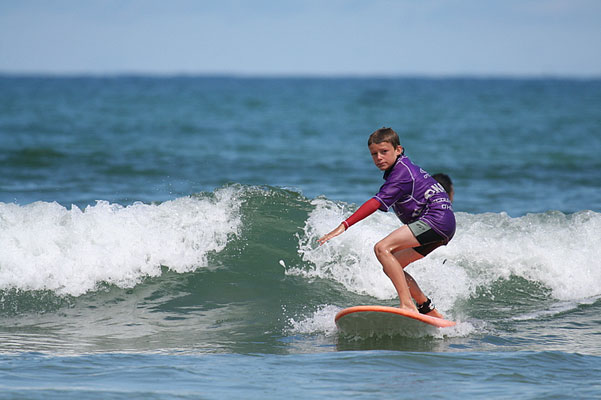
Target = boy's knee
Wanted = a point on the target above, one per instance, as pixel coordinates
(380, 249)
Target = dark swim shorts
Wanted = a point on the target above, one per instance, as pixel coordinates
(426, 236)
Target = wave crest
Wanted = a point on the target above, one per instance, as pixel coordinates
(70, 251)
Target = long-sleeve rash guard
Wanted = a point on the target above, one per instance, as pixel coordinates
(367, 209)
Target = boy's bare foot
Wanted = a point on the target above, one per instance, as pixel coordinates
(435, 313)
(408, 308)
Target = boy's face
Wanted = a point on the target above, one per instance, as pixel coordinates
(384, 154)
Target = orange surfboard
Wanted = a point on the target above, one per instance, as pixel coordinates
(375, 320)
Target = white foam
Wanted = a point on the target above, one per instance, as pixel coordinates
(347, 259)
(563, 252)
(320, 321)
(46, 246)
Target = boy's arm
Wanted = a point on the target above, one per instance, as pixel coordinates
(368, 208)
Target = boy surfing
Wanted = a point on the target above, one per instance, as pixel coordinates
(422, 205)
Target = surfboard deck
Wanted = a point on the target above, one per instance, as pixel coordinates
(369, 320)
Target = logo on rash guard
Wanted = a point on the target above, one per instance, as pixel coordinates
(436, 188)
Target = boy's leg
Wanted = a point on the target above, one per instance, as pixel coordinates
(399, 240)
(406, 257)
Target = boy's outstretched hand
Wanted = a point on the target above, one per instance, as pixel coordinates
(339, 229)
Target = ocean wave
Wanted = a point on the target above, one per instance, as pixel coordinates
(264, 239)
(48, 247)
(559, 252)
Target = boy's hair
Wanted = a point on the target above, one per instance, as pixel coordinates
(384, 135)
(444, 180)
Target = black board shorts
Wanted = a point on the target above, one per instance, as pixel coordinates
(428, 238)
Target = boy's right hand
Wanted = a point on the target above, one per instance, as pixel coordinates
(339, 230)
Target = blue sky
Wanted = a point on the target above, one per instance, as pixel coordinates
(327, 37)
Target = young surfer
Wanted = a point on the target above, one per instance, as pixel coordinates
(420, 202)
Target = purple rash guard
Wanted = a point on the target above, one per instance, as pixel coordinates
(414, 195)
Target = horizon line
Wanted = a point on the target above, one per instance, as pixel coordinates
(253, 75)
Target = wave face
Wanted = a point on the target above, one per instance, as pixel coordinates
(238, 269)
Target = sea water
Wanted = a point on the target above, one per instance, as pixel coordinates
(158, 237)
